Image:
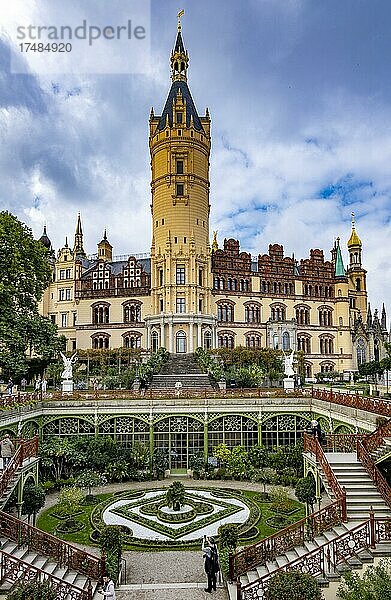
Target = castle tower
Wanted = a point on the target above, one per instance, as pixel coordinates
(179, 141)
(356, 273)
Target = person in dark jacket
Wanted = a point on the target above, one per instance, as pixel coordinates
(211, 562)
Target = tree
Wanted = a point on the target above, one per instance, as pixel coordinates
(70, 500)
(175, 496)
(238, 462)
(293, 585)
(33, 590)
(160, 461)
(33, 500)
(228, 536)
(222, 453)
(280, 499)
(25, 273)
(111, 540)
(264, 476)
(305, 492)
(88, 480)
(374, 584)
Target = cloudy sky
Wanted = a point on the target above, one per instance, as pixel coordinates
(299, 93)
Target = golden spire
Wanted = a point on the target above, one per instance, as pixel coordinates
(215, 245)
(354, 240)
(180, 14)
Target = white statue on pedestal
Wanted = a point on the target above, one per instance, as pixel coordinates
(288, 364)
(68, 362)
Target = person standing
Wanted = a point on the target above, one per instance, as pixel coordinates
(211, 562)
(7, 450)
(38, 383)
(23, 384)
(108, 588)
(44, 385)
(10, 386)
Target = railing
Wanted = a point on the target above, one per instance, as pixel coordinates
(311, 444)
(369, 465)
(14, 570)
(375, 405)
(376, 439)
(23, 534)
(63, 553)
(184, 393)
(26, 449)
(326, 558)
(286, 539)
(341, 442)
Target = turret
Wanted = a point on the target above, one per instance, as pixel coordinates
(105, 249)
(78, 248)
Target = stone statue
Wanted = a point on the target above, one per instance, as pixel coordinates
(288, 365)
(68, 362)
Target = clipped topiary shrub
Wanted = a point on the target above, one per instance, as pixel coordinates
(293, 585)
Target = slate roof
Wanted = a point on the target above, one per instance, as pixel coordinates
(190, 107)
(179, 45)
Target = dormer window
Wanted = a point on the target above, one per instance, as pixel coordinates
(179, 117)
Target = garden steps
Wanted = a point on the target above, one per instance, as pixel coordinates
(181, 368)
(383, 452)
(45, 564)
(361, 492)
(27, 464)
(356, 563)
(361, 495)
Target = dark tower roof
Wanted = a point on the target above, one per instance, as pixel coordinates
(45, 241)
(191, 110)
(179, 45)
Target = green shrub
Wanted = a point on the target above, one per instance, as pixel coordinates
(228, 536)
(293, 585)
(33, 590)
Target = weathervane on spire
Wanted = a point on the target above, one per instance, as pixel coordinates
(180, 14)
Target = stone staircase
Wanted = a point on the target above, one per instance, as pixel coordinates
(361, 493)
(310, 548)
(383, 452)
(13, 482)
(339, 546)
(181, 368)
(30, 562)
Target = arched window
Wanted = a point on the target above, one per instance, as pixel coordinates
(278, 312)
(226, 339)
(253, 340)
(207, 340)
(304, 343)
(361, 352)
(181, 342)
(253, 313)
(325, 316)
(225, 312)
(155, 341)
(100, 341)
(100, 313)
(132, 312)
(286, 341)
(132, 339)
(275, 341)
(302, 315)
(326, 344)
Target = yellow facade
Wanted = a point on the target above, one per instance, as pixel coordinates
(188, 293)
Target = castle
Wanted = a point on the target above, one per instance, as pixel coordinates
(189, 292)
